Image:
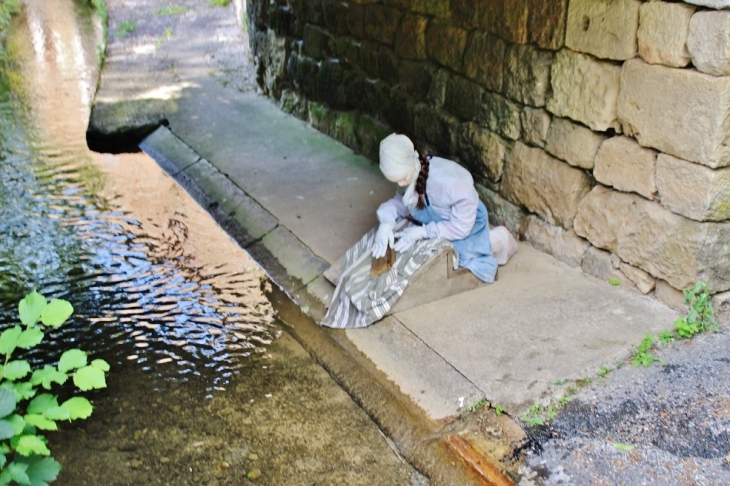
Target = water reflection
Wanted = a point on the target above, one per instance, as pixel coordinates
(143, 288)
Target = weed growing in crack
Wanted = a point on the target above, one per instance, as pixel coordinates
(700, 317)
(643, 357)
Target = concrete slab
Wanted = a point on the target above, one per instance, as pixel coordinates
(436, 280)
(439, 389)
(256, 220)
(308, 181)
(296, 257)
(542, 321)
(170, 152)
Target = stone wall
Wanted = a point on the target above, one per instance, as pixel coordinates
(597, 130)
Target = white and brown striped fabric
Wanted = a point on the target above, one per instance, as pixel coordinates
(360, 300)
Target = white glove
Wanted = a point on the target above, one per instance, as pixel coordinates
(383, 239)
(409, 236)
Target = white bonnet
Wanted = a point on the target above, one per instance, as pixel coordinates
(397, 156)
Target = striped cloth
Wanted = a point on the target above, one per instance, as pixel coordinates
(359, 300)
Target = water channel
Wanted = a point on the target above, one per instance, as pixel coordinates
(205, 387)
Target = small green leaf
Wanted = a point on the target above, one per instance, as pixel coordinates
(57, 413)
(40, 421)
(623, 447)
(56, 312)
(7, 402)
(32, 444)
(16, 370)
(16, 472)
(78, 407)
(23, 390)
(30, 337)
(9, 340)
(89, 378)
(72, 359)
(101, 364)
(41, 471)
(41, 403)
(31, 307)
(3, 460)
(614, 281)
(6, 430)
(47, 376)
(17, 422)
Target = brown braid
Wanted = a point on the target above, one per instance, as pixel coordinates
(421, 181)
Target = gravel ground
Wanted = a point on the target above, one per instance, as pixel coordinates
(676, 416)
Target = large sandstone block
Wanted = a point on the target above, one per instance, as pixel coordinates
(709, 42)
(544, 185)
(415, 77)
(435, 8)
(604, 266)
(463, 97)
(410, 39)
(604, 28)
(563, 244)
(435, 128)
(465, 13)
(501, 211)
(572, 142)
(507, 18)
(648, 236)
(693, 190)
(663, 31)
(625, 165)
(482, 150)
(437, 90)
(484, 60)
(585, 90)
(527, 74)
(500, 115)
(546, 23)
(316, 41)
(535, 125)
(643, 281)
(381, 23)
(710, 3)
(446, 44)
(679, 111)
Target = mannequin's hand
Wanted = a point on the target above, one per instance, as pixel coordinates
(383, 239)
(408, 237)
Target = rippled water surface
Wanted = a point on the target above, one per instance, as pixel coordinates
(140, 289)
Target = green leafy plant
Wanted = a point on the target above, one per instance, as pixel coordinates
(24, 454)
(498, 410)
(167, 34)
(700, 317)
(532, 416)
(126, 27)
(477, 406)
(666, 337)
(643, 357)
(170, 10)
(614, 281)
(8, 9)
(220, 3)
(605, 370)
